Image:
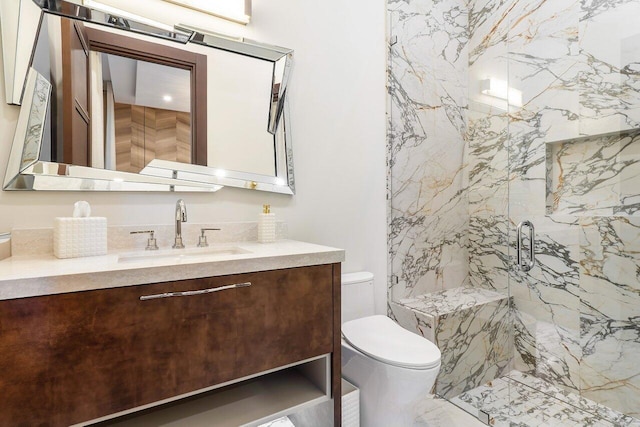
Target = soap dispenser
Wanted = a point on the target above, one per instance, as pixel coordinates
(266, 225)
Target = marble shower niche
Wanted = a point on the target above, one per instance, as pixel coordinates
(595, 175)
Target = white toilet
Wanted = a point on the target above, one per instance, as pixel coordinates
(393, 368)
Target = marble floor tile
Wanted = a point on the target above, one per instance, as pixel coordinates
(519, 399)
(431, 412)
(437, 412)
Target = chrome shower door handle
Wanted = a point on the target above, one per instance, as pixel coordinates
(526, 265)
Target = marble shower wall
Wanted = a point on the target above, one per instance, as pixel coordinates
(428, 217)
(610, 312)
(577, 313)
(546, 302)
(573, 151)
(465, 168)
(487, 154)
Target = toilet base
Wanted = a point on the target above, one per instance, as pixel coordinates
(388, 394)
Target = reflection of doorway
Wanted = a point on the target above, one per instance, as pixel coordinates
(146, 112)
(174, 131)
(76, 125)
(146, 133)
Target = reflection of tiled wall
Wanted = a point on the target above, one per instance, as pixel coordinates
(459, 183)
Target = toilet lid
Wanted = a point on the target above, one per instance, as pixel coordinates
(383, 339)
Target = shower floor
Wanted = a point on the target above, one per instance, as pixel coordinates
(535, 402)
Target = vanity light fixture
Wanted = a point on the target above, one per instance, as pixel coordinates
(233, 10)
(121, 13)
(500, 89)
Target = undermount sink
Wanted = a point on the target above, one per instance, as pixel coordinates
(177, 255)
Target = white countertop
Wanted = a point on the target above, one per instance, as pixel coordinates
(37, 275)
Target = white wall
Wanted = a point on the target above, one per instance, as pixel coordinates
(337, 100)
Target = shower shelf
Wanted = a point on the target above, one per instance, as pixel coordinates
(594, 175)
(441, 316)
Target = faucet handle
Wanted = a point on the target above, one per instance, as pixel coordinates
(152, 245)
(202, 241)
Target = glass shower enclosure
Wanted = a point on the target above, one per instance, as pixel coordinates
(514, 129)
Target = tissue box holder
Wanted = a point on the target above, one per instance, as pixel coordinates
(79, 237)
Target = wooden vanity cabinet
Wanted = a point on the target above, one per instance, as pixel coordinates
(74, 357)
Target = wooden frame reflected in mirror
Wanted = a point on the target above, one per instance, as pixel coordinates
(77, 43)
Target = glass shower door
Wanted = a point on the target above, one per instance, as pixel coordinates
(447, 192)
(574, 157)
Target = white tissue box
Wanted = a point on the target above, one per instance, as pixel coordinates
(79, 237)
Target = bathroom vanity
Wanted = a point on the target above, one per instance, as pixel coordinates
(90, 339)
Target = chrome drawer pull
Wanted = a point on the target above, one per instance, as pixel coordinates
(191, 293)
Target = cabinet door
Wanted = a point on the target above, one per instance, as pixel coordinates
(74, 357)
(288, 317)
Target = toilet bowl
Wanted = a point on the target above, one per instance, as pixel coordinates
(393, 368)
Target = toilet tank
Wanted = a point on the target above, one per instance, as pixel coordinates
(357, 295)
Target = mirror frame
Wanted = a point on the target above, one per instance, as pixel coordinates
(281, 60)
(26, 172)
(19, 24)
(158, 175)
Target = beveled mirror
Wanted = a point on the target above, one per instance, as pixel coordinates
(132, 101)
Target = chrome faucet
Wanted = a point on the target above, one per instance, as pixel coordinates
(181, 216)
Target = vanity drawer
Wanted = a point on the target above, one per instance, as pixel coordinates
(74, 357)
